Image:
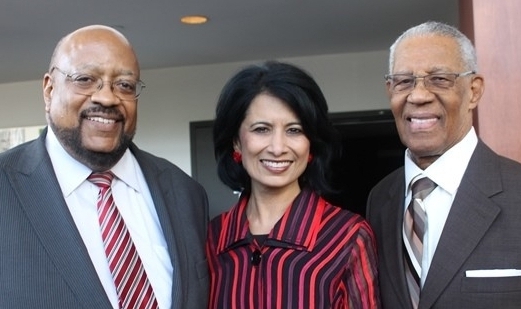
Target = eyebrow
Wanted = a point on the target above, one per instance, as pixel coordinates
(96, 69)
(433, 70)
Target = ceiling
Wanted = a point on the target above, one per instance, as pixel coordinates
(238, 30)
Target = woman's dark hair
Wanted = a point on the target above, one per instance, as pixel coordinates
(303, 96)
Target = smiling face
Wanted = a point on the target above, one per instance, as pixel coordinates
(430, 123)
(95, 129)
(274, 148)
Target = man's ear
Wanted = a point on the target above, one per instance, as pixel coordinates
(47, 91)
(388, 88)
(477, 87)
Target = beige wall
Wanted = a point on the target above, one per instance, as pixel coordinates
(175, 96)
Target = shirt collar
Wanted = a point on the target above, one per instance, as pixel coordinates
(297, 229)
(71, 173)
(126, 170)
(447, 171)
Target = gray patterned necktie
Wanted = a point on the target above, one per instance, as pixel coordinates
(414, 225)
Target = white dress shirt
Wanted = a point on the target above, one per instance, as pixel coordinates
(447, 172)
(134, 202)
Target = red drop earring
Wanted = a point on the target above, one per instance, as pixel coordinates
(237, 157)
(310, 158)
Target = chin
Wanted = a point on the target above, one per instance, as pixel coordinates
(102, 147)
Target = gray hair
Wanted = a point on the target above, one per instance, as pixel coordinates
(467, 51)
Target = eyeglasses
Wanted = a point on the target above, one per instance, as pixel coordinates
(88, 84)
(404, 83)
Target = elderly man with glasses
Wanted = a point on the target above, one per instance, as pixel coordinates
(447, 223)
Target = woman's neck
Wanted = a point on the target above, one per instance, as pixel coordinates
(265, 208)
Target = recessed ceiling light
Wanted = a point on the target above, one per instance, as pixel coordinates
(194, 19)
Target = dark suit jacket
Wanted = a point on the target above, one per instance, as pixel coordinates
(43, 261)
(482, 231)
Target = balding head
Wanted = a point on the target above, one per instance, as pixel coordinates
(77, 40)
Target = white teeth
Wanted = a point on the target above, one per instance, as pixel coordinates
(276, 164)
(417, 120)
(102, 120)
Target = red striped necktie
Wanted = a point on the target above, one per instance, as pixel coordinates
(132, 285)
(415, 223)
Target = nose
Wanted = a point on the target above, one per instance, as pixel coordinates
(102, 83)
(277, 144)
(419, 94)
(105, 94)
(416, 79)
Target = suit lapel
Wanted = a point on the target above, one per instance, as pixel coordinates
(392, 255)
(49, 216)
(471, 215)
(160, 185)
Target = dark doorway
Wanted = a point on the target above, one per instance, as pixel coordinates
(371, 150)
(204, 169)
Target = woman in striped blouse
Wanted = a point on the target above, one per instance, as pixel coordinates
(283, 245)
